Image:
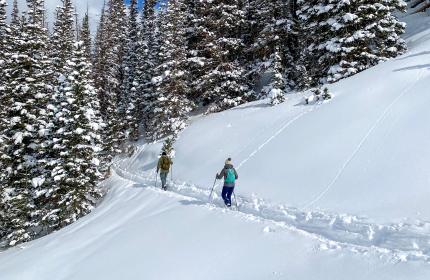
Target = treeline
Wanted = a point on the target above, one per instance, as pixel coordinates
(69, 104)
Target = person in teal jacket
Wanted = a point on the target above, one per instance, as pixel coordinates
(230, 176)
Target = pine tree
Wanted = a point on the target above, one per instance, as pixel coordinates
(277, 86)
(296, 74)
(194, 57)
(388, 29)
(171, 106)
(77, 142)
(100, 57)
(347, 37)
(130, 83)
(168, 147)
(15, 14)
(4, 34)
(109, 74)
(146, 55)
(4, 38)
(85, 36)
(273, 31)
(27, 97)
(63, 37)
(221, 78)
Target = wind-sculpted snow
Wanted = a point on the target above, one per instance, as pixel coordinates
(399, 241)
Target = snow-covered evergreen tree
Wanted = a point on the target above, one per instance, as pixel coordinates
(4, 42)
(100, 57)
(221, 80)
(346, 37)
(168, 147)
(63, 37)
(171, 106)
(76, 145)
(85, 36)
(3, 56)
(130, 83)
(26, 99)
(147, 56)
(277, 86)
(15, 14)
(268, 38)
(296, 73)
(109, 74)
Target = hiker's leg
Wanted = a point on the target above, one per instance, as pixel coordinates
(224, 194)
(229, 193)
(163, 177)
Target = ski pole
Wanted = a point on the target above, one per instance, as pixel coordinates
(235, 199)
(212, 190)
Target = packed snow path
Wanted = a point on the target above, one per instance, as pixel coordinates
(401, 241)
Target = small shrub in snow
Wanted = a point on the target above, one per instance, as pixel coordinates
(168, 147)
(318, 95)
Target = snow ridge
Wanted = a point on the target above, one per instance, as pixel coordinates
(399, 242)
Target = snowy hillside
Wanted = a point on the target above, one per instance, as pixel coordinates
(338, 190)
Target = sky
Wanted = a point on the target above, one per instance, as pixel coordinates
(94, 8)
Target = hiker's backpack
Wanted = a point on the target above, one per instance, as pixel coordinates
(230, 177)
(165, 163)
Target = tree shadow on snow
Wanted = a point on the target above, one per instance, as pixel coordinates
(139, 186)
(193, 202)
(416, 67)
(255, 106)
(414, 55)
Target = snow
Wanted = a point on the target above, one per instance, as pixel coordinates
(37, 182)
(331, 190)
(18, 137)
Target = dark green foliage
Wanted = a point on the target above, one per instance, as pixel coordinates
(347, 37)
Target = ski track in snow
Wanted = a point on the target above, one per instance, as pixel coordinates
(288, 123)
(398, 242)
(363, 141)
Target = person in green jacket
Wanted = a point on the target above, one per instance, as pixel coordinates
(164, 164)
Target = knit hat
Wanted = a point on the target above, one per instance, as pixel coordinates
(228, 161)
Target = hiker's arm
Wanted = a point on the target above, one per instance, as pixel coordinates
(221, 174)
(235, 173)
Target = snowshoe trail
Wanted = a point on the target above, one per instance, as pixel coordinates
(400, 242)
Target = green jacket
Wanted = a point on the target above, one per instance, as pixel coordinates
(164, 164)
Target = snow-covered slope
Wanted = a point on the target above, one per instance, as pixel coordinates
(338, 190)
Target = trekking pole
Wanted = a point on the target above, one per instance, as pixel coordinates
(212, 190)
(156, 179)
(235, 199)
